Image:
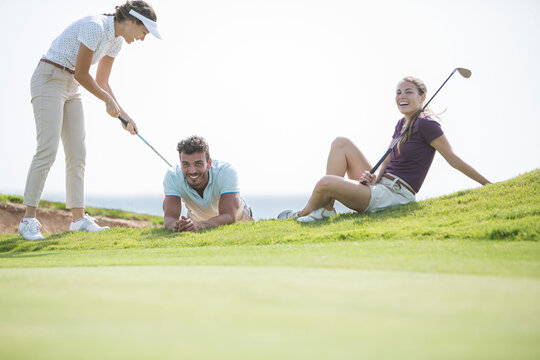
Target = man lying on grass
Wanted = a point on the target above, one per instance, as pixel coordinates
(208, 188)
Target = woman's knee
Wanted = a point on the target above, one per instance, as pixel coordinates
(76, 158)
(341, 142)
(45, 156)
(323, 185)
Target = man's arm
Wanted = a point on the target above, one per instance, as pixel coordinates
(229, 206)
(172, 208)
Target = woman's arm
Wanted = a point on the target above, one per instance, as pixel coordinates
(82, 75)
(102, 78)
(382, 168)
(374, 178)
(442, 145)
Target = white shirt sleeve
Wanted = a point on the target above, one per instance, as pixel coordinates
(91, 34)
(170, 187)
(228, 181)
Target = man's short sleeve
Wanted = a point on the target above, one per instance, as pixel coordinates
(228, 181)
(91, 34)
(170, 187)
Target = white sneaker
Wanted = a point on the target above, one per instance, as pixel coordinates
(29, 229)
(318, 214)
(86, 223)
(288, 214)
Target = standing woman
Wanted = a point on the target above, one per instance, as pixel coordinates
(401, 174)
(57, 105)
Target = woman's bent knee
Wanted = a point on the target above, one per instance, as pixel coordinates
(341, 142)
(323, 185)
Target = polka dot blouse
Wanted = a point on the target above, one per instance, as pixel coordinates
(95, 32)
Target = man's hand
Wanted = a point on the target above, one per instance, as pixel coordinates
(186, 224)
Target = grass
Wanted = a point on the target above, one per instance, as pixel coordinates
(504, 211)
(207, 312)
(457, 277)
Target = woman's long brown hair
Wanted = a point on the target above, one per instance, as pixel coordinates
(422, 89)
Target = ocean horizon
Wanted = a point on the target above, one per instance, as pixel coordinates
(263, 206)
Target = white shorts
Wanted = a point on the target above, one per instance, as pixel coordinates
(387, 193)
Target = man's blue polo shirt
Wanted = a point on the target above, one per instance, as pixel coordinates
(223, 179)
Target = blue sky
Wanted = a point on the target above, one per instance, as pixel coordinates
(271, 83)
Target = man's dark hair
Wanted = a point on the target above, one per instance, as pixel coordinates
(192, 145)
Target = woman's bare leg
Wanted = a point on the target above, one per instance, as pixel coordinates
(330, 188)
(30, 211)
(345, 158)
(77, 213)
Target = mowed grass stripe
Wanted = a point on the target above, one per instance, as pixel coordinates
(499, 258)
(232, 312)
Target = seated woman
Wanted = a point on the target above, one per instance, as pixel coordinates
(401, 174)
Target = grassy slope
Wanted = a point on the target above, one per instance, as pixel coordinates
(503, 211)
(399, 284)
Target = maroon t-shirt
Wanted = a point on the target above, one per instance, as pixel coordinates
(416, 156)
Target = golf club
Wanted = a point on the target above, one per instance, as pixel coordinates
(466, 73)
(146, 142)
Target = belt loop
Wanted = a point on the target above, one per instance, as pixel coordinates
(394, 180)
(395, 184)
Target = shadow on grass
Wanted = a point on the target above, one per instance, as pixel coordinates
(154, 232)
(21, 246)
(15, 244)
(395, 212)
(18, 255)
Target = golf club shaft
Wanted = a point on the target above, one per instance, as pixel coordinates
(394, 143)
(439, 89)
(146, 142)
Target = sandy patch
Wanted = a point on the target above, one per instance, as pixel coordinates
(54, 221)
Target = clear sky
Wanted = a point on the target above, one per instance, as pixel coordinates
(270, 84)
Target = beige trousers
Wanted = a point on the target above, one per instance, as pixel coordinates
(59, 115)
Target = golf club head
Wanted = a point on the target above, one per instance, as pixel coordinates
(466, 73)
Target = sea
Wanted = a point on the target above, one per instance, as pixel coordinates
(263, 206)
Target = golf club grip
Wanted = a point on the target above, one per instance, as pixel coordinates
(124, 121)
(372, 171)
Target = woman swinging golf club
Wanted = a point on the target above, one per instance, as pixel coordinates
(56, 101)
(401, 173)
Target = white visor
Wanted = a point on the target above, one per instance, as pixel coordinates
(151, 25)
